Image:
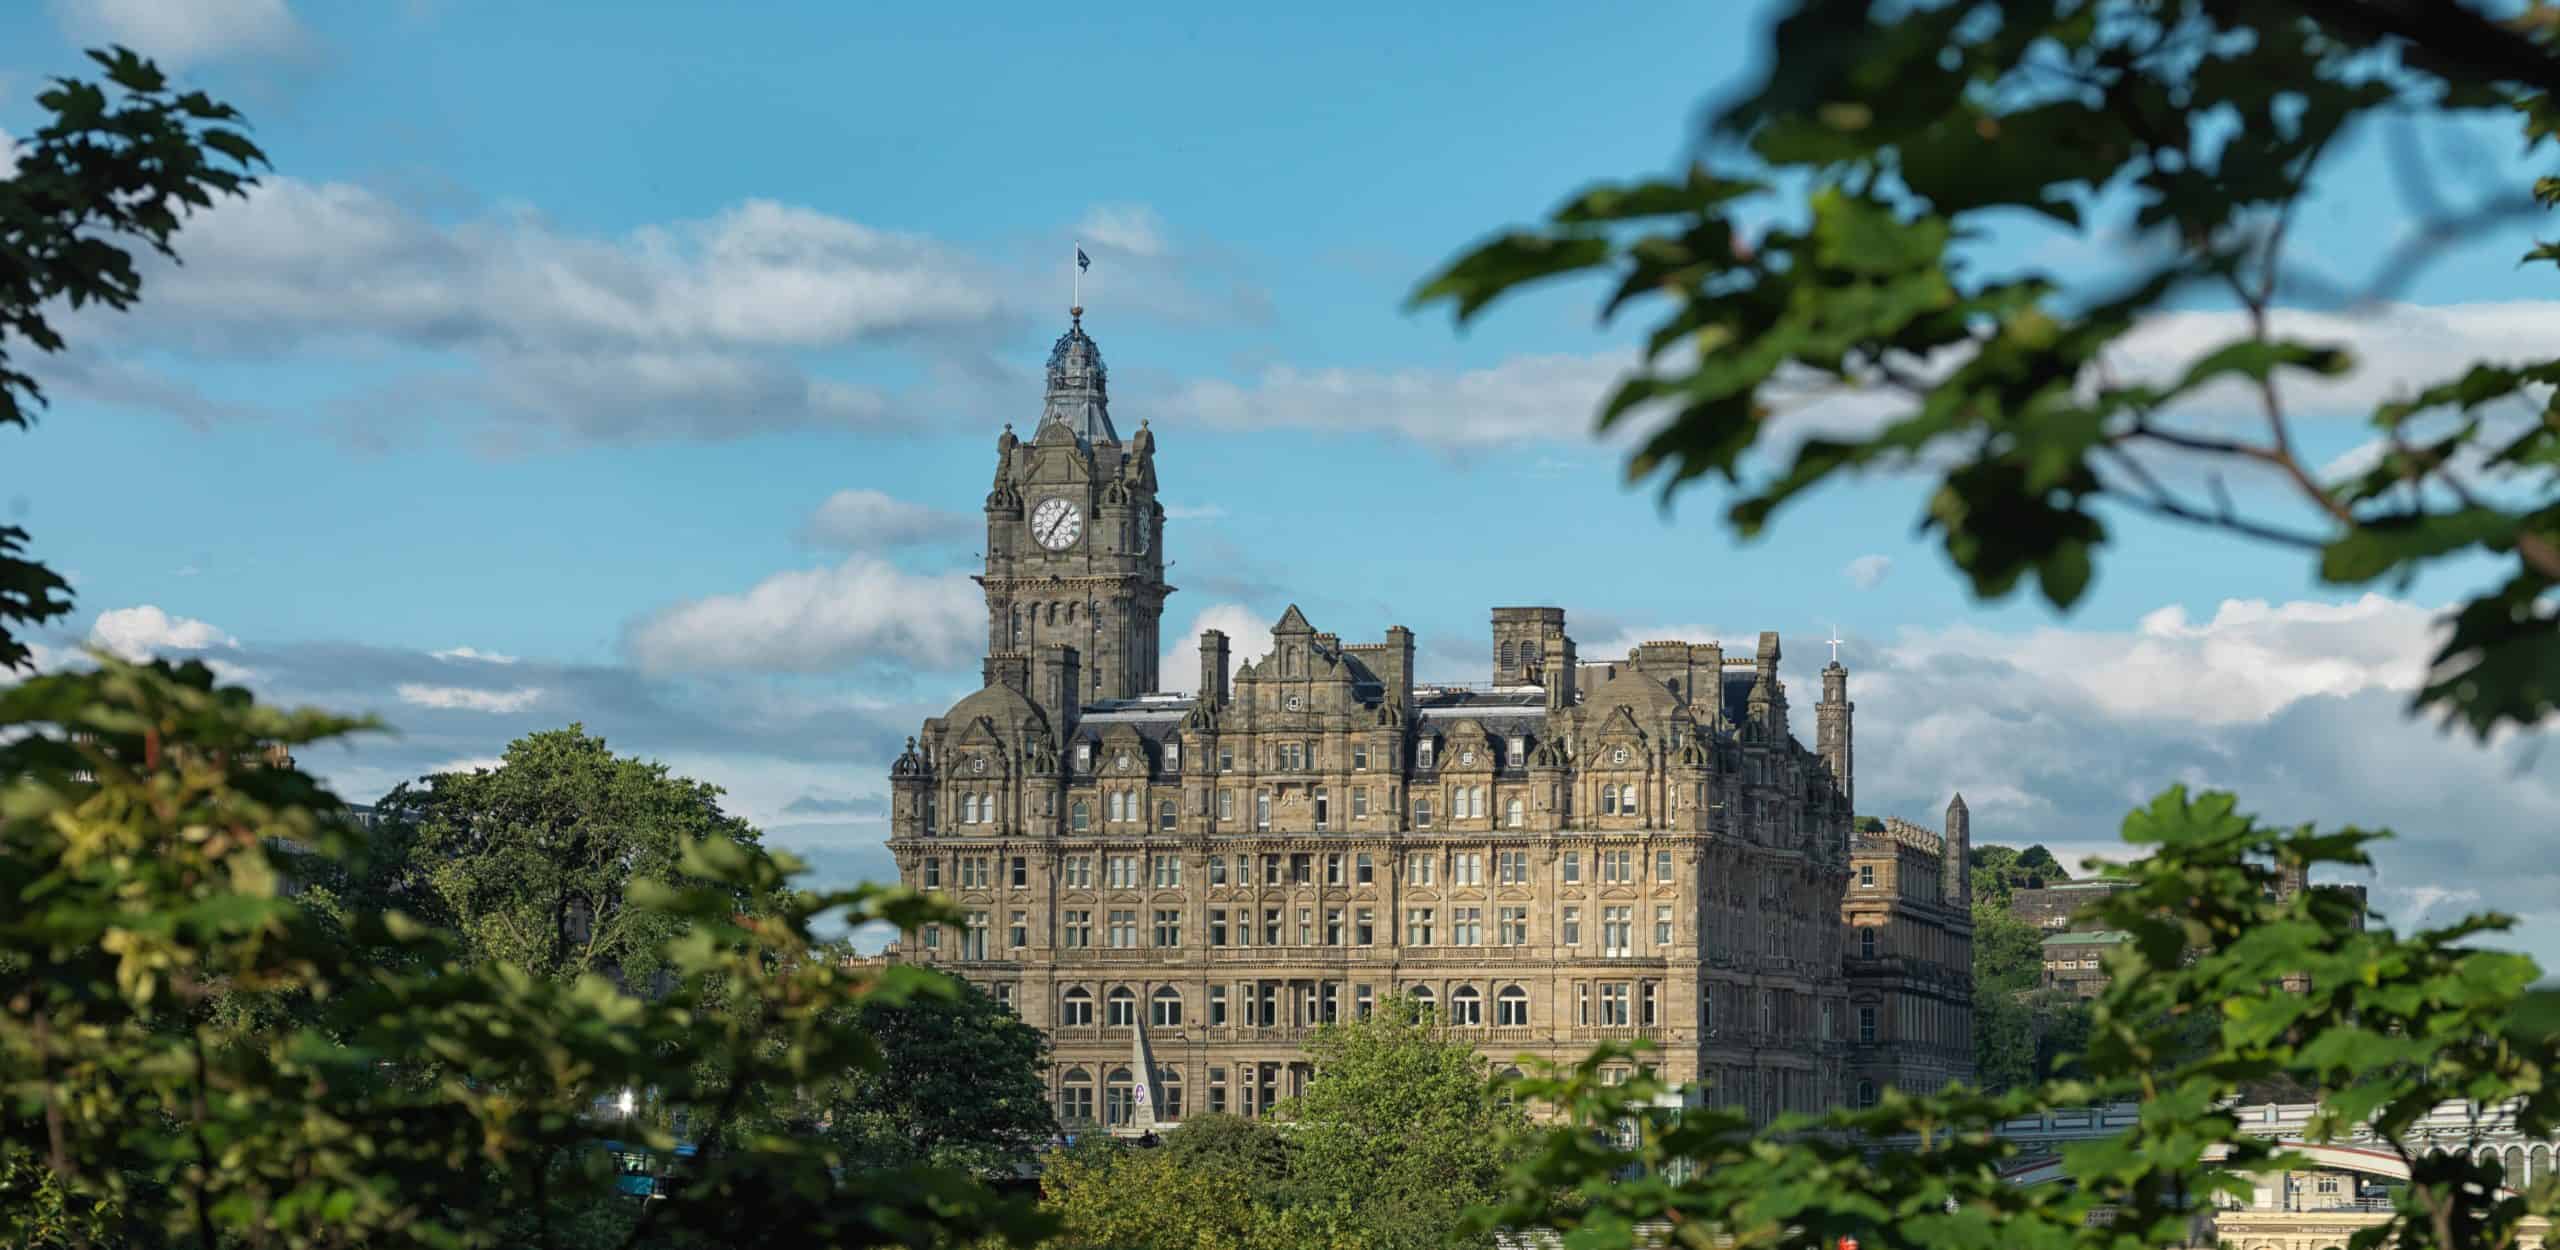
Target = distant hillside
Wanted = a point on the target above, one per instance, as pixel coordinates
(1999, 871)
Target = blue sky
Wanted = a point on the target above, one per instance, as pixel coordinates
(558, 326)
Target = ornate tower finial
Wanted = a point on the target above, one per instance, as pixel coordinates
(1079, 387)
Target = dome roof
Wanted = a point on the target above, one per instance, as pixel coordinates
(1629, 688)
(1079, 395)
(1000, 704)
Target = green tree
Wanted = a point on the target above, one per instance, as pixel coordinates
(959, 1086)
(1110, 1196)
(533, 861)
(1999, 872)
(2391, 1027)
(1402, 1126)
(1883, 139)
(116, 165)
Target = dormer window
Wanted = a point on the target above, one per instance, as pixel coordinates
(1519, 752)
(1422, 754)
(1172, 756)
(1084, 757)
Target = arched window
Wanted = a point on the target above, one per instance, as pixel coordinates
(1119, 1098)
(1121, 1009)
(1513, 813)
(1166, 1008)
(2541, 1164)
(1080, 816)
(1511, 1007)
(1466, 1007)
(1866, 942)
(1627, 800)
(1076, 1007)
(1075, 1097)
(1608, 800)
(2515, 1167)
(1510, 657)
(1422, 998)
(1165, 812)
(1866, 1093)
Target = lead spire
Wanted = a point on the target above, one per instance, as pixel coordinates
(1079, 395)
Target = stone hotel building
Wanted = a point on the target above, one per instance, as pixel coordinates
(1565, 852)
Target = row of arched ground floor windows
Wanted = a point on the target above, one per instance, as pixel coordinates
(1108, 1096)
(2524, 1165)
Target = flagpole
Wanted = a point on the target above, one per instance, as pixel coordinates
(1075, 281)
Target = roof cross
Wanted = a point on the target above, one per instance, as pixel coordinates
(1835, 644)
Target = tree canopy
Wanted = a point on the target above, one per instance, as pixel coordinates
(1818, 245)
(533, 861)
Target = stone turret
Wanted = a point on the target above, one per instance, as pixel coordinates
(1832, 730)
(1213, 668)
(1955, 879)
(1768, 695)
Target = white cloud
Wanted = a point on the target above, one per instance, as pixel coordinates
(1526, 398)
(473, 764)
(473, 654)
(177, 32)
(1248, 634)
(1867, 572)
(685, 330)
(2300, 708)
(465, 698)
(1193, 512)
(811, 620)
(870, 520)
(1132, 228)
(139, 633)
(8, 149)
(1616, 648)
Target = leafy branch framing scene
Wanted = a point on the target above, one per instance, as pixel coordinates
(566, 998)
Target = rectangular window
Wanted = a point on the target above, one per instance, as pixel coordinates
(1364, 927)
(1511, 867)
(1271, 870)
(1867, 1025)
(1617, 931)
(1333, 926)
(1217, 870)
(1466, 926)
(1226, 805)
(1466, 868)
(1582, 1002)
(1079, 872)
(1217, 1015)
(1363, 1000)
(1302, 869)
(1573, 867)
(1079, 929)
(1217, 925)
(1364, 872)
(932, 874)
(1419, 867)
(1572, 935)
(1124, 930)
(1168, 927)
(1617, 867)
(1662, 928)
(1021, 871)
(1613, 1005)
(1271, 926)
(1020, 930)
(1262, 811)
(1226, 759)
(1417, 926)
(1324, 810)
(973, 936)
(1515, 926)
(1359, 802)
(1359, 758)
(1866, 876)
(1422, 754)
(1422, 813)
(1168, 871)
(1306, 926)
(1519, 752)
(1333, 868)
(1084, 757)
(1662, 867)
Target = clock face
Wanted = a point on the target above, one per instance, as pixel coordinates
(1057, 523)
(1618, 756)
(1143, 527)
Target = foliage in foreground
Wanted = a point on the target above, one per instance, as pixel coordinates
(2192, 1020)
(395, 1089)
(1400, 1132)
(1886, 138)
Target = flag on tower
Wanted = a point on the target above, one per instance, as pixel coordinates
(1083, 262)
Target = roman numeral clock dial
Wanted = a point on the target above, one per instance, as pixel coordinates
(1057, 523)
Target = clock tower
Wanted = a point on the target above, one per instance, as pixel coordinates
(1075, 538)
